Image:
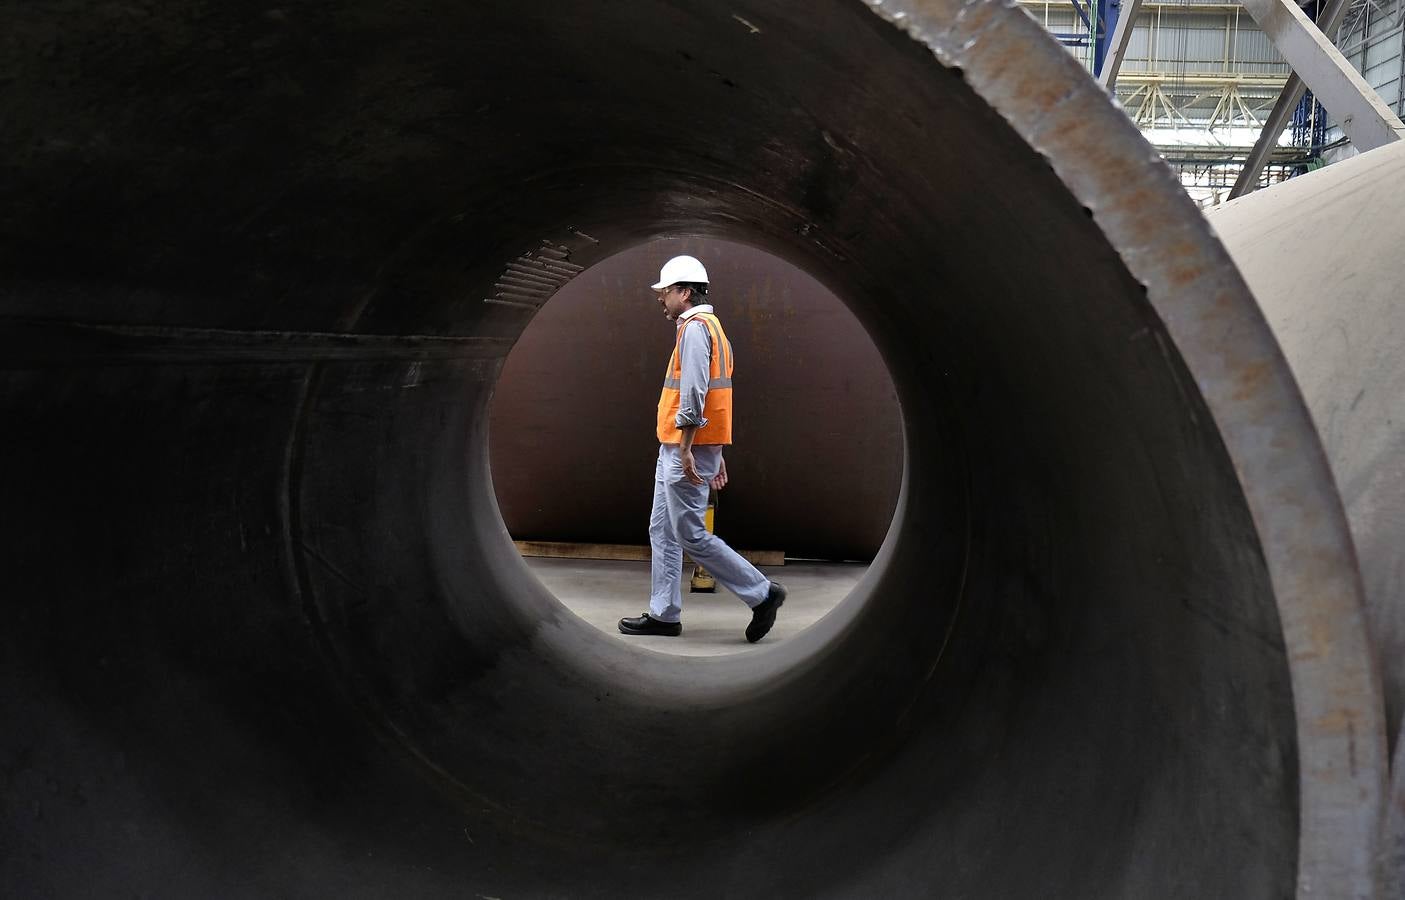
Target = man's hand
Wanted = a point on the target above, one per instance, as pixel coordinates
(690, 471)
(719, 481)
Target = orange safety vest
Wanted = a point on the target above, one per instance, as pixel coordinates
(717, 409)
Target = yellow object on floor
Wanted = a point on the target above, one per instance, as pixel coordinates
(703, 583)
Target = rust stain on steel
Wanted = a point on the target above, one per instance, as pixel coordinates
(1250, 379)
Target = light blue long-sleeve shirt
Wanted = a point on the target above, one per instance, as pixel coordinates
(695, 362)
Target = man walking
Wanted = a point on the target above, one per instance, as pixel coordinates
(694, 424)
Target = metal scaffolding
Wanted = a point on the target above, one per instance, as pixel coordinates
(1201, 79)
(1372, 38)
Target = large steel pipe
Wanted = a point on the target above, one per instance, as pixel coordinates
(1320, 254)
(264, 632)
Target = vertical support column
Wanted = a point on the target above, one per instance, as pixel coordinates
(1354, 104)
(1121, 37)
(1105, 19)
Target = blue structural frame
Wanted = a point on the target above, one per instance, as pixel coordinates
(1100, 18)
(1309, 125)
(1108, 13)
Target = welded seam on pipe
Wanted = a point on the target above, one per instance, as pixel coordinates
(25, 343)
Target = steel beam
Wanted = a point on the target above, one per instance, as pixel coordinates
(1355, 106)
(1274, 123)
(1117, 50)
(1292, 94)
(1078, 8)
(1204, 80)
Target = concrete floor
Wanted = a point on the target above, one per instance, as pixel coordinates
(603, 591)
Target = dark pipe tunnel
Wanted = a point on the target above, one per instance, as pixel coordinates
(266, 634)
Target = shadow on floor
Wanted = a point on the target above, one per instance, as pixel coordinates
(603, 591)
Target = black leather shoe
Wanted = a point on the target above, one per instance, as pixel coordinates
(647, 624)
(763, 614)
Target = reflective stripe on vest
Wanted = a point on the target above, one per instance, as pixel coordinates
(677, 385)
(717, 408)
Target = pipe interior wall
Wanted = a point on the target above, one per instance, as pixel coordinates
(265, 632)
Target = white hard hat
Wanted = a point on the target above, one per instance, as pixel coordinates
(681, 268)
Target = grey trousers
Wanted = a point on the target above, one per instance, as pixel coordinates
(677, 524)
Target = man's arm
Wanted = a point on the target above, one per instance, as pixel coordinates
(685, 454)
(695, 363)
(719, 481)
